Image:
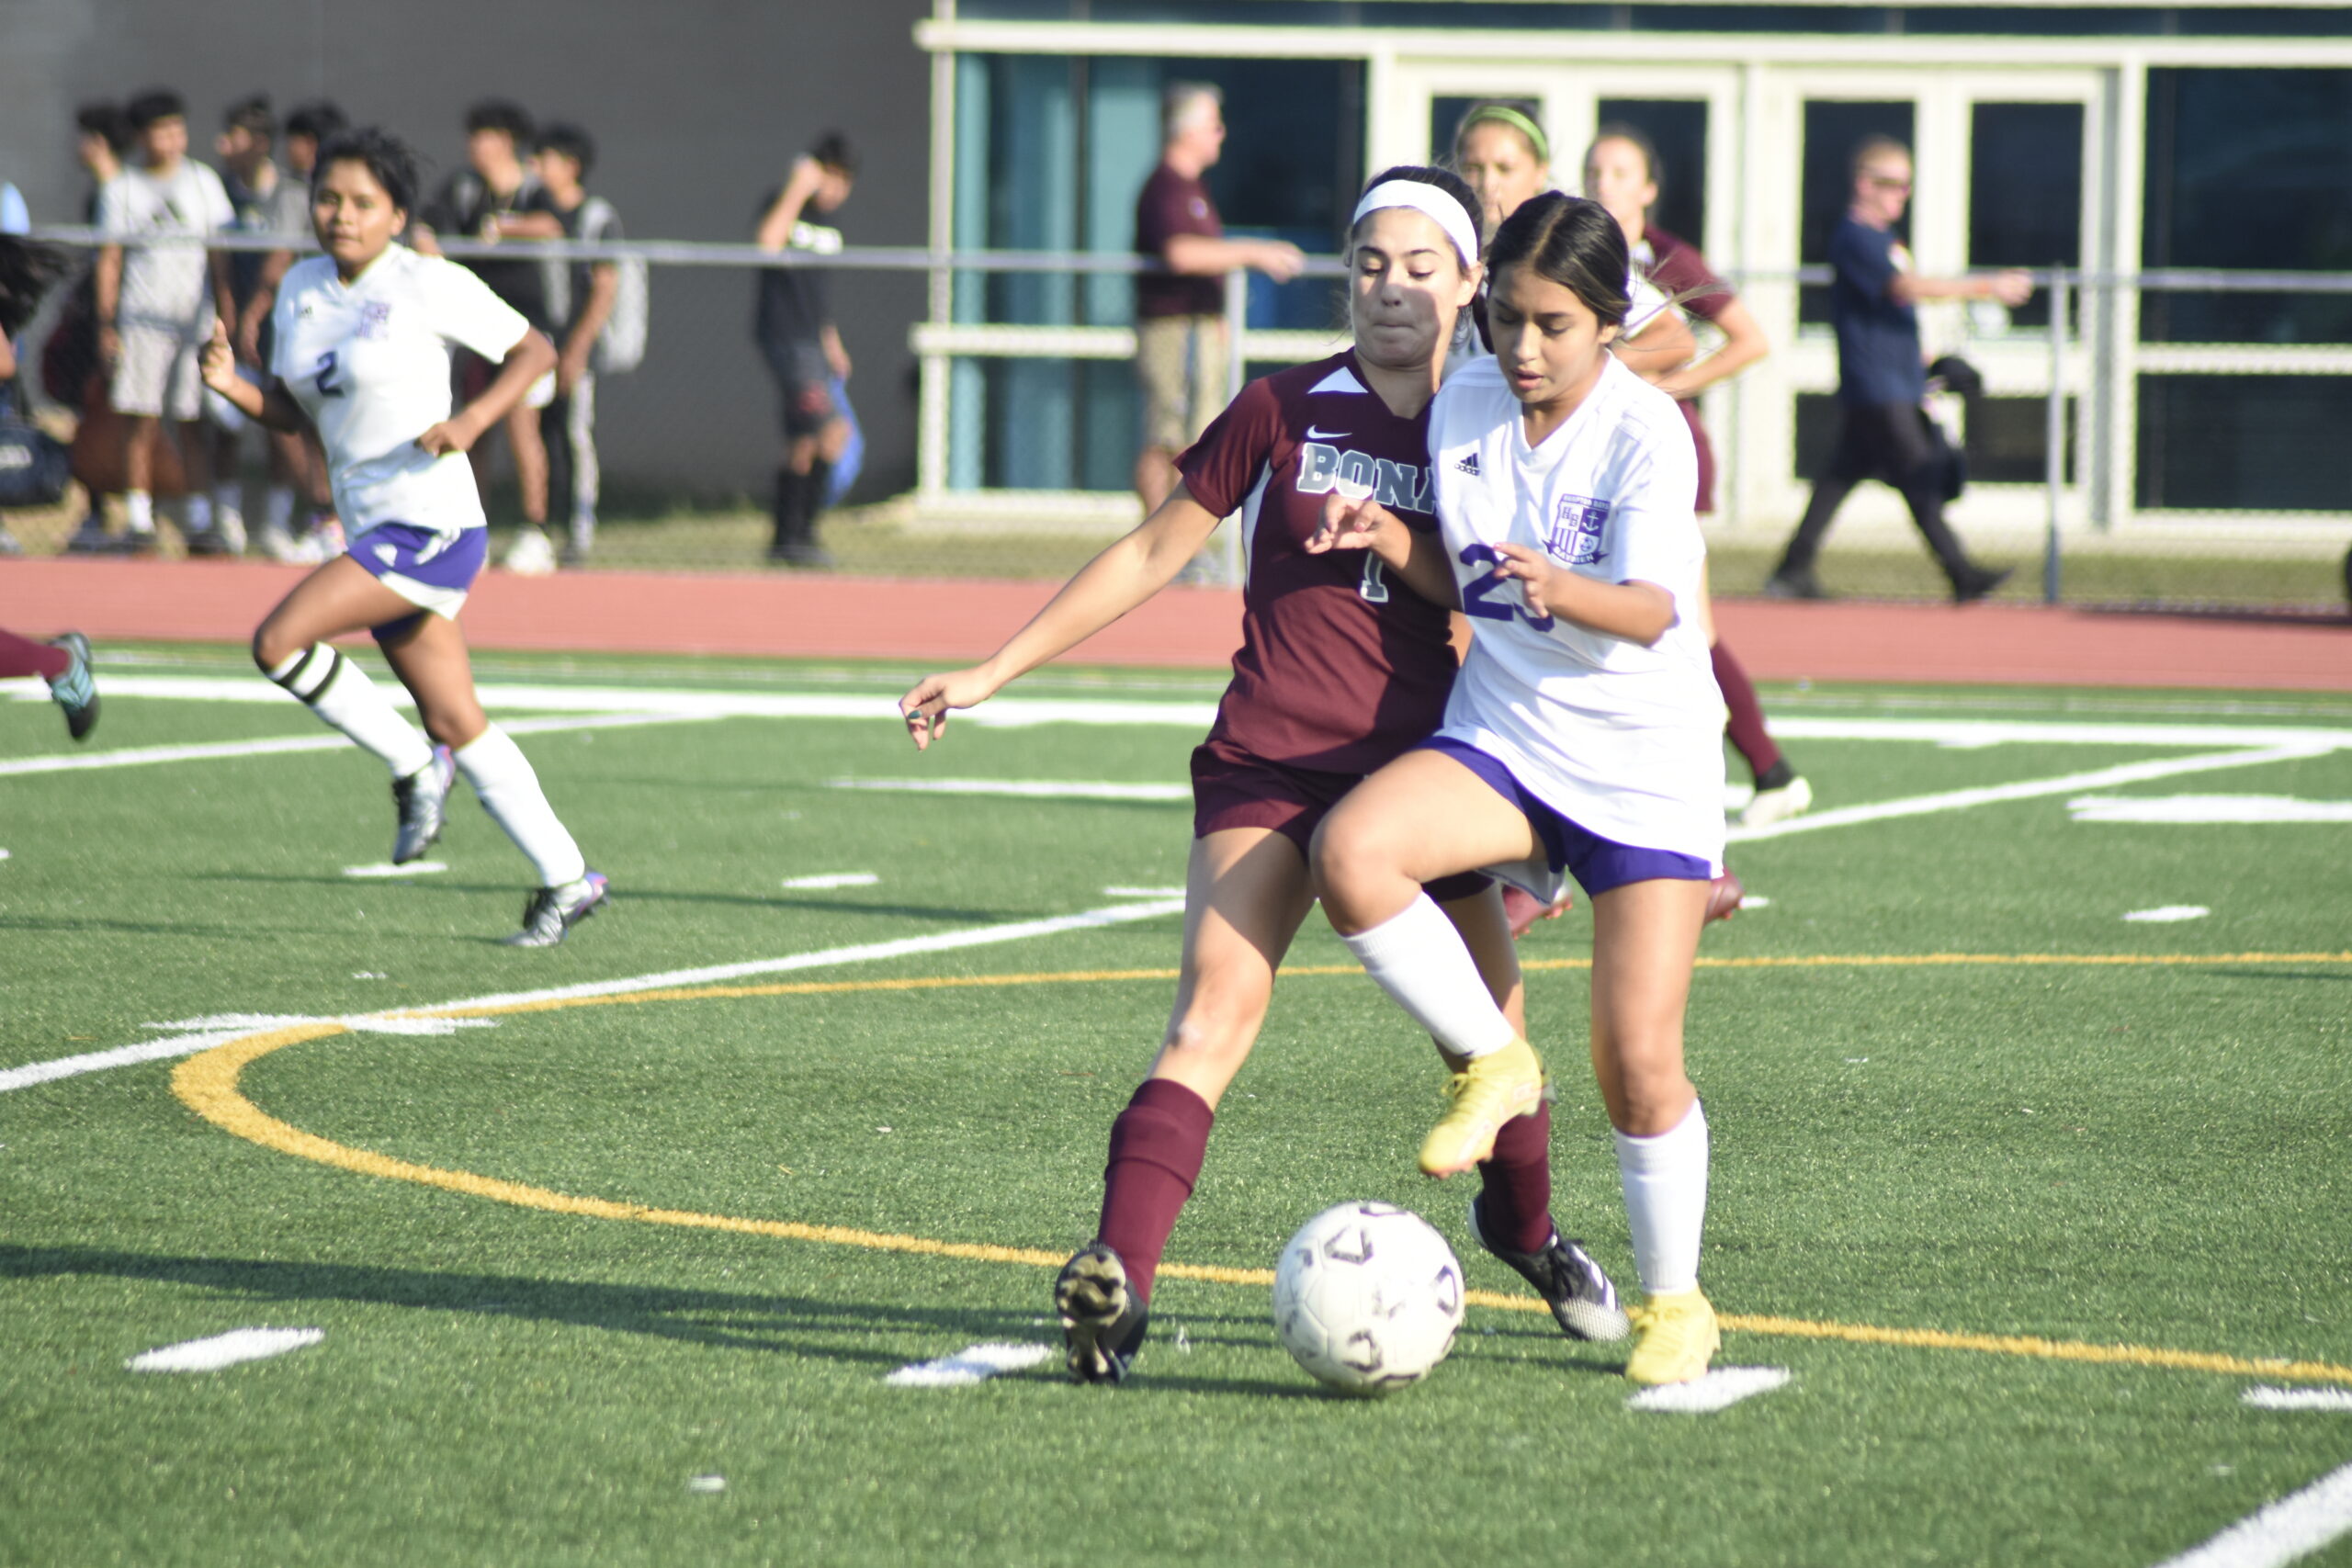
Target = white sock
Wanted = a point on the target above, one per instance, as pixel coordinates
(1418, 959)
(277, 507)
(510, 792)
(198, 512)
(138, 511)
(1665, 1179)
(340, 692)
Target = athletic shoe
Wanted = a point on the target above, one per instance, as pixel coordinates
(1725, 896)
(8, 543)
(74, 691)
(1483, 1094)
(1793, 798)
(230, 526)
(1523, 909)
(1795, 585)
(1103, 1323)
(207, 542)
(530, 554)
(806, 555)
(1581, 1295)
(421, 799)
(1978, 582)
(549, 914)
(1679, 1337)
(276, 542)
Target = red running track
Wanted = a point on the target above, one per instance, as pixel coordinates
(943, 623)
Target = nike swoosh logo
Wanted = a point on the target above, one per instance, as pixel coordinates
(1314, 435)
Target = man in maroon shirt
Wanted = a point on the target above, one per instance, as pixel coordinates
(1179, 314)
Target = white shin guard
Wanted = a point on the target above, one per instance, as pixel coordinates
(510, 792)
(1419, 960)
(340, 692)
(1665, 1179)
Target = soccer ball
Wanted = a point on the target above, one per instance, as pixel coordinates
(1367, 1297)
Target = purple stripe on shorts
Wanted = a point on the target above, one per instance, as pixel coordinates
(401, 548)
(1597, 863)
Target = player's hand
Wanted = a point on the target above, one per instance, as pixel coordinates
(1533, 569)
(217, 361)
(925, 707)
(449, 436)
(1280, 260)
(2013, 288)
(1348, 525)
(570, 368)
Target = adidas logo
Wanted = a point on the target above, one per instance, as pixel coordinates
(1467, 464)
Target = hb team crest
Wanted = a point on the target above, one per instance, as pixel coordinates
(1574, 537)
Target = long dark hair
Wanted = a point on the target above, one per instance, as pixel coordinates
(1571, 242)
(29, 269)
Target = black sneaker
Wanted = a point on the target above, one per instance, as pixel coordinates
(1103, 1323)
(1579, 1294)
(549, 914)
(74, 691)
(1795, 585)
(423, 801)
(1979, 583)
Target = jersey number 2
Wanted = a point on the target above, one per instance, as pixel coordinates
(325, 377)
(1479, 598)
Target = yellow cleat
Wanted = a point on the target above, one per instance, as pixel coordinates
(1485, 1092)
(1679, 1338)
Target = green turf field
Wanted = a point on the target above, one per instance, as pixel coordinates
(1945, 1192)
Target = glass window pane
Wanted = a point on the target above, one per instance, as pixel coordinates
(2025, 192)
(1833, 128)
(1678, 129)
(2244, 443)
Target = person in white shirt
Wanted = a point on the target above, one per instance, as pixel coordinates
(1583, 734)
(156, 304)
(363, 338)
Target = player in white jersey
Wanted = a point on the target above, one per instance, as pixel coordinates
(363, 340)
(1583, 734)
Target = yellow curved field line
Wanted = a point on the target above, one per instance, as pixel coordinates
(208, 1084)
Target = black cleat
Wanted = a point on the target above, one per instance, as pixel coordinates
(423, 801)
(1978, 582)
(74, 691)
(1579, 1294)
(1103, 1323)
(550, 913)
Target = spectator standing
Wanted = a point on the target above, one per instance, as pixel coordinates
(1881, 378)
(795, 330)
(580, 296)
(156, 303)
(1180, 351)
(297, 456)
(247, 147)
(495, 197)
(71, 356)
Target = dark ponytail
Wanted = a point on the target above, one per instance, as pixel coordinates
(1573, 242)
(1445, 180)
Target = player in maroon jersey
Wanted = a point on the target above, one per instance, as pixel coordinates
(1340, 670)
(1620, 172)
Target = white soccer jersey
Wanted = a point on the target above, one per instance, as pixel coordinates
(165, 286)
(1623, 740)
(370, 363)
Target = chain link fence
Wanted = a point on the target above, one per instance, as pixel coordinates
(2176, 445)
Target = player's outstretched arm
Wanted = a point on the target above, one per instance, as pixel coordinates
(1635, 611)
(531, 358)
(1125, 574)
(1418, 560)
(273, 408)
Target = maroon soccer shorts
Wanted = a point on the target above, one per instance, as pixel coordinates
(1236, 788)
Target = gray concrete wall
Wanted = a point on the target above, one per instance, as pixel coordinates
(697, 107)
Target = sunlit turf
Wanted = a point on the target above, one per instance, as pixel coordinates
(2114, 1155)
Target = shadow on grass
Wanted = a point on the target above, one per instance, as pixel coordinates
(625, 893)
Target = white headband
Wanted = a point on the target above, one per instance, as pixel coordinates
(1431, 203)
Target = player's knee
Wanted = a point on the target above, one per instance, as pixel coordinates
(453, 724)
(1351, 850)
(1650, 1102)
(272, 647)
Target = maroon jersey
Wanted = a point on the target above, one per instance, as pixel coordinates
(1676, 266)
(1170, 205)
(1339, 669)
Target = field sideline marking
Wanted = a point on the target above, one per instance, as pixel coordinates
(2295, 1525)
(209, 1085)
(217, 751)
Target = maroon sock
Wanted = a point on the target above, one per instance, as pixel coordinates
(1515, 1204)
(1156, 1149)
(1748, 736)
(22, 656)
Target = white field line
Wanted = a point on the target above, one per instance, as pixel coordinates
(1719, 1390)
(191, 1035)
(2295, 1525)
(1025, 789)
(140, 756)
(974, 1364)
(2267, 1398)
(383, 870)
(2168, 914)
(2030, 789)
(218, 1350)
(823, 879)
(1961, 734)
(2207, 810)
